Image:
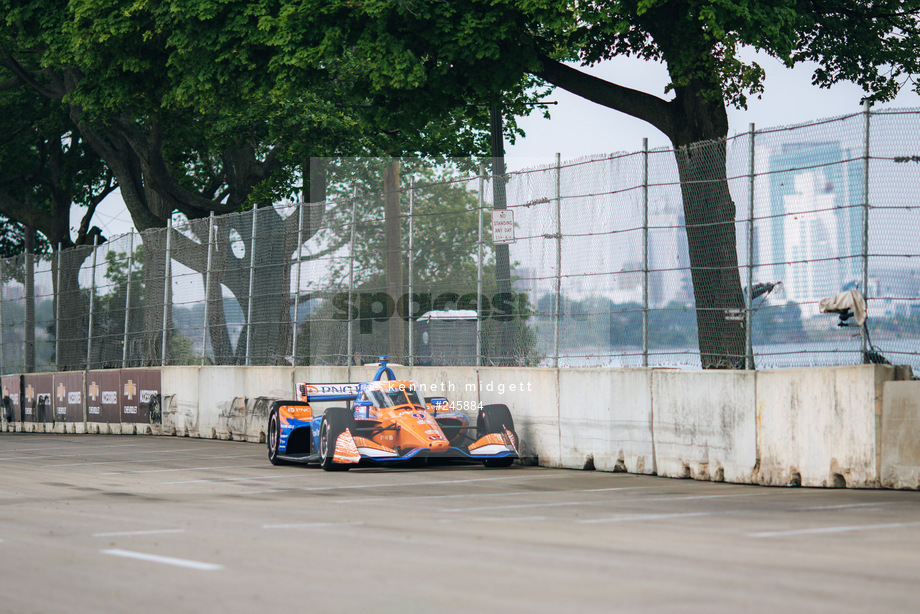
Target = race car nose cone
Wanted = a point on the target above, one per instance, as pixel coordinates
(439, 446)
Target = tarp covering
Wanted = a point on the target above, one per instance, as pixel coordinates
(839, 303)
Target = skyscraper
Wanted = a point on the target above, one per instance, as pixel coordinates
(816, 198)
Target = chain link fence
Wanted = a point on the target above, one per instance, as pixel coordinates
(655, 257)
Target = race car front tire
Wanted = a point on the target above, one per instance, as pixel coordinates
(495, 418)
(335, 421)
(274, 437)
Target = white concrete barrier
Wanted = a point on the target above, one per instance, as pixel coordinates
(816, 427)
(234, 401)
(180, 401)
(900, 436)
(704, 424)
(605, 419)
(532, 395)
(819, 427)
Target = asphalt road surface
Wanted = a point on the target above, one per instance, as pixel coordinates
(157, 524)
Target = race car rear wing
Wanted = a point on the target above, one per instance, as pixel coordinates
(327, 392)
(340, 392)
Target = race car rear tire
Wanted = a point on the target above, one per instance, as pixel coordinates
(335, 421)
(495, 419)
(274, 438)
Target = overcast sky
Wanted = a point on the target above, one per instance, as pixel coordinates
(580, 128)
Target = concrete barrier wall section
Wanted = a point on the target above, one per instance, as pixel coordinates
(832, 427)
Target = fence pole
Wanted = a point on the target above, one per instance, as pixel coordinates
(92, 295)
(482, 187)
(167, 287)
(557, 304)
(867, 105)
(749, 299)
(124, 342)
(411, 268)
(645, 252)
(57, 313)
(351, 276)
(28, 334)
(297, 283)
(207, 290)
(2, 361)
(252, 279)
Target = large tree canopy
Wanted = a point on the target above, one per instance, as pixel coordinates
(213, 106)
(197, 108)
(439, 51)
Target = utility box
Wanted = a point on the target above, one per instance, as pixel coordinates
(447, 338)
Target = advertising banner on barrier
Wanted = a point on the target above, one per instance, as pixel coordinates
(68, 396)
(36, 403)
(102, 398)
(11, 405)
(140, 393)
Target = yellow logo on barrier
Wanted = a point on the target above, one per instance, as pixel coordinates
(130, 389)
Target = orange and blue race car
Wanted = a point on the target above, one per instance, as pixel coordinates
(385, 422)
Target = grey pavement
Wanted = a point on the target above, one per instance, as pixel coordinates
(94, 523)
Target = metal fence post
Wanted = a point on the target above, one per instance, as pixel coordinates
(482, 184)
(351, 277)
(124, 343)
(749, 299)
(28, 333)
(57, 313)
(297, 284)
(645, 252)
(207, 290)
(2, 361)
(92, 295)
(411, 267)
(167, 287)
(867, 105)
(557, 304)
(252, 279)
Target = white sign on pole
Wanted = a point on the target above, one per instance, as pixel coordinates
(502, 226)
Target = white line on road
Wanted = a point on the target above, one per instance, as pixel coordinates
(651, 499)
(147, 460)
(643, 517)
(182, 469)
(93, 452)
(222, 480)
(166, 560)
(383, 485)
(861, 527)
(514, 519)
(131, 533)
(305, 474)
(490, 494)
(310, 525)
(692, 497)
(838, 507)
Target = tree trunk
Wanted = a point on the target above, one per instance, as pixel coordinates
(507, 355)
(218, 335)
(393, 259)
(699, 140)
(270, 324)
(73, 313)
(29, 332)
(151, 346)
(314, 191)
